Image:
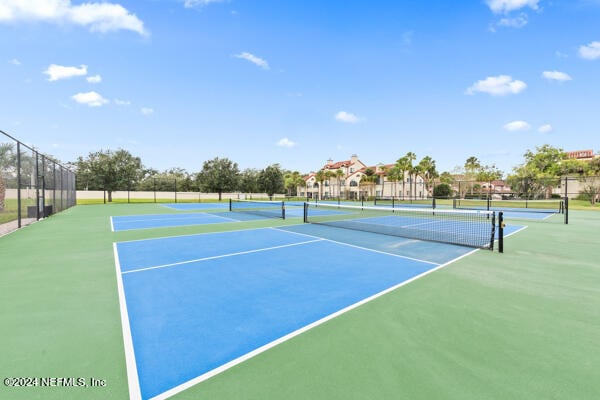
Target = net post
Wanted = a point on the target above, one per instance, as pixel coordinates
(283, 209)
(566, 205)
(500, 232)
(433, 203)
(230, 208)
(305, 214)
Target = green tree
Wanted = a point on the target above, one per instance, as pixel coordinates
(292, 181)
(270, 180)
(447, 178)
(174, 179)
(218, 175)
(443, 190)
(248, 181)
(591, 188)
(110, 171)
(539, 173)
(488, 173)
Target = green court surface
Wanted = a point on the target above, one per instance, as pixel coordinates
(520, 325)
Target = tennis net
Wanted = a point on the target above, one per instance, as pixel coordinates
(263, 208)
(543, 206)
(461, 227)
(399, 202)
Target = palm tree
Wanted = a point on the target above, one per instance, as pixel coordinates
(427, 166)
(328, 175)
(404, 165)
(369, 179)
(394, 174)
(410, 157)
(472, 165)
(320, 177)
(382, 174)
(339, 174)
(292, 181)
(416, 172)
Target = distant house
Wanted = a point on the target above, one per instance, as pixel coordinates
(348, 183)
(585, 155)
(462, 187)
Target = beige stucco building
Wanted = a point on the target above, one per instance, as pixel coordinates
(346, 181)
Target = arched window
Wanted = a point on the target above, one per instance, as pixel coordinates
(353, 184)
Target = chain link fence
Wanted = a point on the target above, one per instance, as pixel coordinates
(32, 185)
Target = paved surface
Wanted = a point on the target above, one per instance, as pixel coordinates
(11, 226)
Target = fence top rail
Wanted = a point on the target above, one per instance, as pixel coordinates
(46, 157)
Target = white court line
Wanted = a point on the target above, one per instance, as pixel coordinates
(262, 349)
(132, 373)
(112, 226)
(357, 247)
(202, 233)
(221, 256)
(175, 217)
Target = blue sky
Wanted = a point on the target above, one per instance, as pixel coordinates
(177, 82)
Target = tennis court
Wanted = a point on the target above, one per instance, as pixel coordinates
(193, 306)
(272, 308)
(199, 303)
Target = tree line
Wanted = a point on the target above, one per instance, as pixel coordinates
(534, 178)
(119, 170)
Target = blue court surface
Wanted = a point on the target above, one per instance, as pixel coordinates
(147, 221)
(197, 206)
(195, 305)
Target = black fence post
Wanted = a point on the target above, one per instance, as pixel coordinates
(500, 232)
(19, 184)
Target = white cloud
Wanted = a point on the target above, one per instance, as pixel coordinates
(200, 3)
(590, 52)
(285, 142)
(14, 61)
(556, 76)
(516, 22)
(560, 54)
(346, 117)
(91, 99)
(497, 86)
(253, 59)
(56, 72)
(94, 79)
(517, 126)
(122, 102)
(505, 6)
(147, 110)
(547, 128)
(97, 17)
